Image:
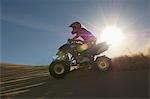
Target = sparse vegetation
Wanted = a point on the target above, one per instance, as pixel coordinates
(134, 62)
(40, 67)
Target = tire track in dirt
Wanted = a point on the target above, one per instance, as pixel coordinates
(15, 80)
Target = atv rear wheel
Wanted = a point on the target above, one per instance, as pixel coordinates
(103, 63)
(58, 69)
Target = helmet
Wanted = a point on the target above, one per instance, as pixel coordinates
(76, 26)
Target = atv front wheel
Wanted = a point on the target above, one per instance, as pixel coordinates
(58, 69)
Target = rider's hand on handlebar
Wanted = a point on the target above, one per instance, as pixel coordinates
(75, 41)
(70, 40)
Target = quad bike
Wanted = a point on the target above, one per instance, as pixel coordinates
(75, 53)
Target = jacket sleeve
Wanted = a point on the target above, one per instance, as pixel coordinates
(75, 37)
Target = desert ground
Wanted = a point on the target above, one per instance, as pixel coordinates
(19, 81)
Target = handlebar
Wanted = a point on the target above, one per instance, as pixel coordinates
(75, 41)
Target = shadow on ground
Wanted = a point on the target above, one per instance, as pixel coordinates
(91, 84)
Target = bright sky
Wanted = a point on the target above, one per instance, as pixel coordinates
(32, 30)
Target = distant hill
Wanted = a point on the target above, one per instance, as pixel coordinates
(10, 71)
(11, 65)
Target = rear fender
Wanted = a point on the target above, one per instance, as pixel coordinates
(104, 56)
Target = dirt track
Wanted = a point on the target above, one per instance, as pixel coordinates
(78, 84)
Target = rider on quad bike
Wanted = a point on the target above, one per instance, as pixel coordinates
(88, 38)
(80, 51)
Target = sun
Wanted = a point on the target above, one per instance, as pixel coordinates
(112, 35)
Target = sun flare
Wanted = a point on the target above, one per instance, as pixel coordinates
(112, 35)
